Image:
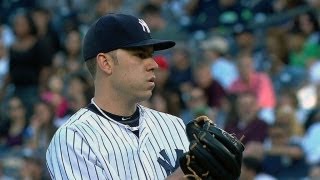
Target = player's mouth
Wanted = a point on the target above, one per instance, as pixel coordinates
(152, 79)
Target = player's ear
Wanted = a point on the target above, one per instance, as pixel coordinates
(104, 62)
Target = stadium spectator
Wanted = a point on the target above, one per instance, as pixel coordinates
(246, 122)
(257, 83)
(45, 29)
(197, 105)
(286, 116)
(222, 68)
(181, 74)
(16, 123)
(41, 129)
(215, 94)
(159, 26)
(29, 58)
(301, 52)
(252, 170)
(284, 158)
(307, 24)
(54, 95)
(247, 42)
(69, 60)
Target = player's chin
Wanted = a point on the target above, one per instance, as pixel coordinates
(147, 94)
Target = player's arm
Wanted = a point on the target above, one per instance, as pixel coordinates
(69, 157)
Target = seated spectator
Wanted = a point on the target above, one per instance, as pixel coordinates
(197, 105)
(45, 29)
(284, 77)
(246, 41)
(17, 123)
(75, 102)
(308, 25)
(54, 95)
(289, 98)
(257, 83)
(214, 91)
(286, 116)
(216, 95)
(301, 52)
(77, 94)
(78, 83)
(283, 158)
(246, 122)
(180, 68)
(28, 58)
(252, 170)
(223, 69)
(69, 60)
(41, 128)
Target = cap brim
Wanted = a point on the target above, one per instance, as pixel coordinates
(156, 43)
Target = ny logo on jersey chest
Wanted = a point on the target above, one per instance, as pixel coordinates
(165, 162)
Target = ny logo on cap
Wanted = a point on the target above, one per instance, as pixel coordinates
(144, 26)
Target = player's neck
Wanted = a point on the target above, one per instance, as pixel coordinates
(114, 104)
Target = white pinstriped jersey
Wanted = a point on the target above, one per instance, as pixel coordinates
(89, 146)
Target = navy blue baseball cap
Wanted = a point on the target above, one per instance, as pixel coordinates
(114, 31)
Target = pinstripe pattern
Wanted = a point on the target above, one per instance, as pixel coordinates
(89, 146)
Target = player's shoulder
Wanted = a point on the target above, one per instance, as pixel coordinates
(82, 116)
(78, 125)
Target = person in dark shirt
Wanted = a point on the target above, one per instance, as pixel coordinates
(29, 61)
(246, 122)
(213, 89)
(284, 158)
(16, 123)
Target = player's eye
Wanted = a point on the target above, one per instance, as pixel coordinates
(143, 55)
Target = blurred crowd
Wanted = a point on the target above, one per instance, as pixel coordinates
(251, 66)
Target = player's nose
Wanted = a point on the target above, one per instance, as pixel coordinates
(152, 64)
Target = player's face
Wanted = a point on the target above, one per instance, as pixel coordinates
(133, 75)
